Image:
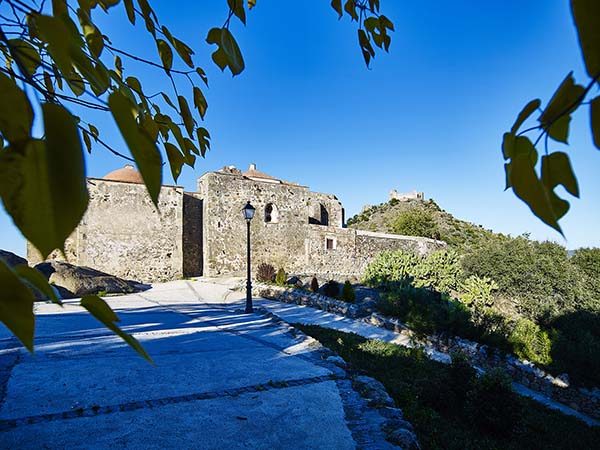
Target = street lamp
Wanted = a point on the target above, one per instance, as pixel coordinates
(248, 211)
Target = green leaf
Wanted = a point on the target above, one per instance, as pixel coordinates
(166, 54)
(141, 145)
(93, 131)
(527, 111)
(508, 145)
(202, 75)
(76, 83)
(168, 100)
(16, 114)
(350, 8)
(337, 6)
(16, 306)
(559, 130)
(93, 37)
(118, 67)
(130, 11)
(556, 169)
(228, 54)
(26, 55)
(200, 101)
(532, 191)
(186, 114)
(47, 195)
(101, 311)
(586, 14)
(37, 280)
(366, 47)
(237, 6)
(565, 100)
(184, 52)
(86, 141)
(48, 83)
(386, 23)
(595, 120)
(149, 16)
(176, 160)
(203, 140)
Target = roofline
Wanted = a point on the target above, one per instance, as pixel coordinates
(132, 182)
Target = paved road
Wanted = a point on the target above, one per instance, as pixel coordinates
(221, 380)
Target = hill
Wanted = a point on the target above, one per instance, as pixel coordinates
(420, 218)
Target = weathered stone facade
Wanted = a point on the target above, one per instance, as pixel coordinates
(406, 196)
(123, 234)
(293, 228)
(204, 233)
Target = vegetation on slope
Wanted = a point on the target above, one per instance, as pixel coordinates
(514, 293)
(449, 407)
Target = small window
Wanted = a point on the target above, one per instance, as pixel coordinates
(330, 244)
(271, 214)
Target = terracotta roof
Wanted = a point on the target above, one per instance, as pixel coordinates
(256, 174)
(127, 174)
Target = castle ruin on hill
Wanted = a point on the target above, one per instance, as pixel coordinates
(203, 233)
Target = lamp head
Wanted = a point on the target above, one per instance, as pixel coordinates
(248, 211)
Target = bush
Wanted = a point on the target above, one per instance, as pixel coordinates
(537, 276)
(265, 272)
(331, 289)
(314, 284)
(348, 294)
(462, 376)
(415, 221)
(530, 342)
(281, 277)
(440, 270)
(477, 291)
(492, 404)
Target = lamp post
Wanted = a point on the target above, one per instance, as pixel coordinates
(248, 211)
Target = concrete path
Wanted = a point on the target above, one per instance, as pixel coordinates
(222, 380)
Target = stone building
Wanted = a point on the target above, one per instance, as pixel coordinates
(203, 233)
(406, 196)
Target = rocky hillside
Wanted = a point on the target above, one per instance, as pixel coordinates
(420, 218)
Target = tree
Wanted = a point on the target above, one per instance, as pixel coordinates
(416, 221)
(56, 60)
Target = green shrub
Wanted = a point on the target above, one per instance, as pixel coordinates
(492, 404)
(348, 294)
(462, 376)
(530, 342)
(331, 289)
(477, 291)
(440, 270)
(415, 221)
(265, 272)
(537, 276)
(281, 277)
(576, 346)
(587, 260)
(314, 284)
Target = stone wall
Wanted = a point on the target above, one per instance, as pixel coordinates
(292, 239)
(123, 234)
(406, 196)
(280, 242)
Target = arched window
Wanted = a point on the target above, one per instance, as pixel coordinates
(324, 216)
(271, 213)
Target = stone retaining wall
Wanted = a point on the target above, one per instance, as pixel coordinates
(558, 388)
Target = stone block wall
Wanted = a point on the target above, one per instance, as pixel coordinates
(123, 234)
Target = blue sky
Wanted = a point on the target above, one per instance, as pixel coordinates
(428, 116)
